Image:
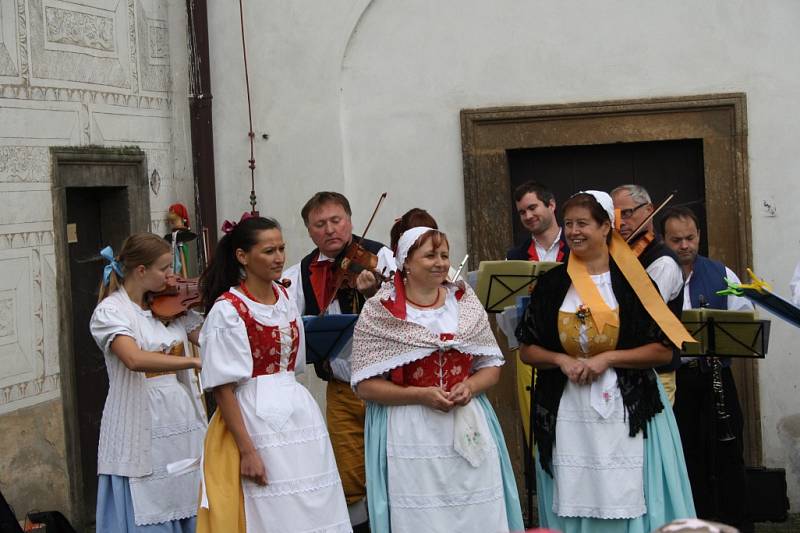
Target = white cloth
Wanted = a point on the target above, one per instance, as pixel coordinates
(433, 487)
(303, 491)
(406, 241)
(735, 303)
(177, 437)
(340, 366)
(148, 423)
(551, 253)
(226, 348)
(668, 276)
(794, 285)
(592, 441)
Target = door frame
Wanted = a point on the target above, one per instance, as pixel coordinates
(720, 120)
(138, 220)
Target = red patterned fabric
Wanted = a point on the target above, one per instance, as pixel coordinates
(322, 282)
(265, 341)
(533, 255)
(440, 369)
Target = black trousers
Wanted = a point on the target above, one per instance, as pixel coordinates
(716, 469)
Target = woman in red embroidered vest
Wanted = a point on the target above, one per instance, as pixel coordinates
(268, 463)
(423, 354)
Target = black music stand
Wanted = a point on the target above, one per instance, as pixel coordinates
(500, 282)
(326, 335)
(722, 333)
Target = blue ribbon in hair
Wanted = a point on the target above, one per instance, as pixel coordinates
(108, 254)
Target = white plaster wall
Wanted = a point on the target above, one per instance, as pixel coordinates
(362, 97)
(71, 74)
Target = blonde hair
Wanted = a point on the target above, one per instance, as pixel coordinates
(138, 249)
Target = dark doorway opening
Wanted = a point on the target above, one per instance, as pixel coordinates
(100, 196)
(659, 166)
(93, 221)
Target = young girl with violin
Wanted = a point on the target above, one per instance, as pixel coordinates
(153, 423)
(268, 463)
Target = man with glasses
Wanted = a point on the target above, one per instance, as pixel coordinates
(634, 205)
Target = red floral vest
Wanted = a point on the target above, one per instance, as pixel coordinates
(442, 369)
(265, 341)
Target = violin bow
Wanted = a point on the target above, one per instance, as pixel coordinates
(651, 216)
(375, 212)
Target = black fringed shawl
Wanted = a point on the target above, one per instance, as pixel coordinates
(539, 326)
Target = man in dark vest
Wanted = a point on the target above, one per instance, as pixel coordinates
(716, 469)
(536, 207)
(327, 218)
(634, 206)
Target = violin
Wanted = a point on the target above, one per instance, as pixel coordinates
(176, 298)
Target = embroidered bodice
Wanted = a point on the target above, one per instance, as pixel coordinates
(443, 368)
(579, 335)
(274, 348)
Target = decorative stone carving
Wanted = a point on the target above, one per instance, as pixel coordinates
(17, 363)
(80, 29)
(159, 41)
(153, 40)
(72, 45)
(9, 57)
(24, 164)
(155, 182)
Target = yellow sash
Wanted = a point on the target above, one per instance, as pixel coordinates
(642, 285)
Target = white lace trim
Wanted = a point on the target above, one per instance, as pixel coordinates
(291, 436)
(427, 451)
(378, 369)
(595, 462)
(293, 486)
(581, 511)
(160, 518)
(161, 432)
(341, 527)
(432, 501)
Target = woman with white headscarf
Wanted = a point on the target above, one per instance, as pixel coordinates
(423, 355)
(609, 452)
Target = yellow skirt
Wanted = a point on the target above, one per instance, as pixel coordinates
(222, 482)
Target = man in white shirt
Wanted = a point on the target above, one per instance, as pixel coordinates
(536, 207)
(327, 218)
(716, 468)
(634, 205)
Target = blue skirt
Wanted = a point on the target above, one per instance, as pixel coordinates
(115, 510)
(667, 492)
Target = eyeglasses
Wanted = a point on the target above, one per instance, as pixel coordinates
(628, 213)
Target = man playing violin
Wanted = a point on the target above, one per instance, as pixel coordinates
(327, 217)
(634, 206)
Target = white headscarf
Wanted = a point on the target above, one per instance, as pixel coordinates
(407, 240)
(605, 202)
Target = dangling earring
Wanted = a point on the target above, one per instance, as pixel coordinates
(242, 273)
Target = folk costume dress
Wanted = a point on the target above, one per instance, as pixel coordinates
(610, 457)
(152, 429)
(259, 348)
(428, 470)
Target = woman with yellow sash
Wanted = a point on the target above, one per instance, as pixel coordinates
(609, 452)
